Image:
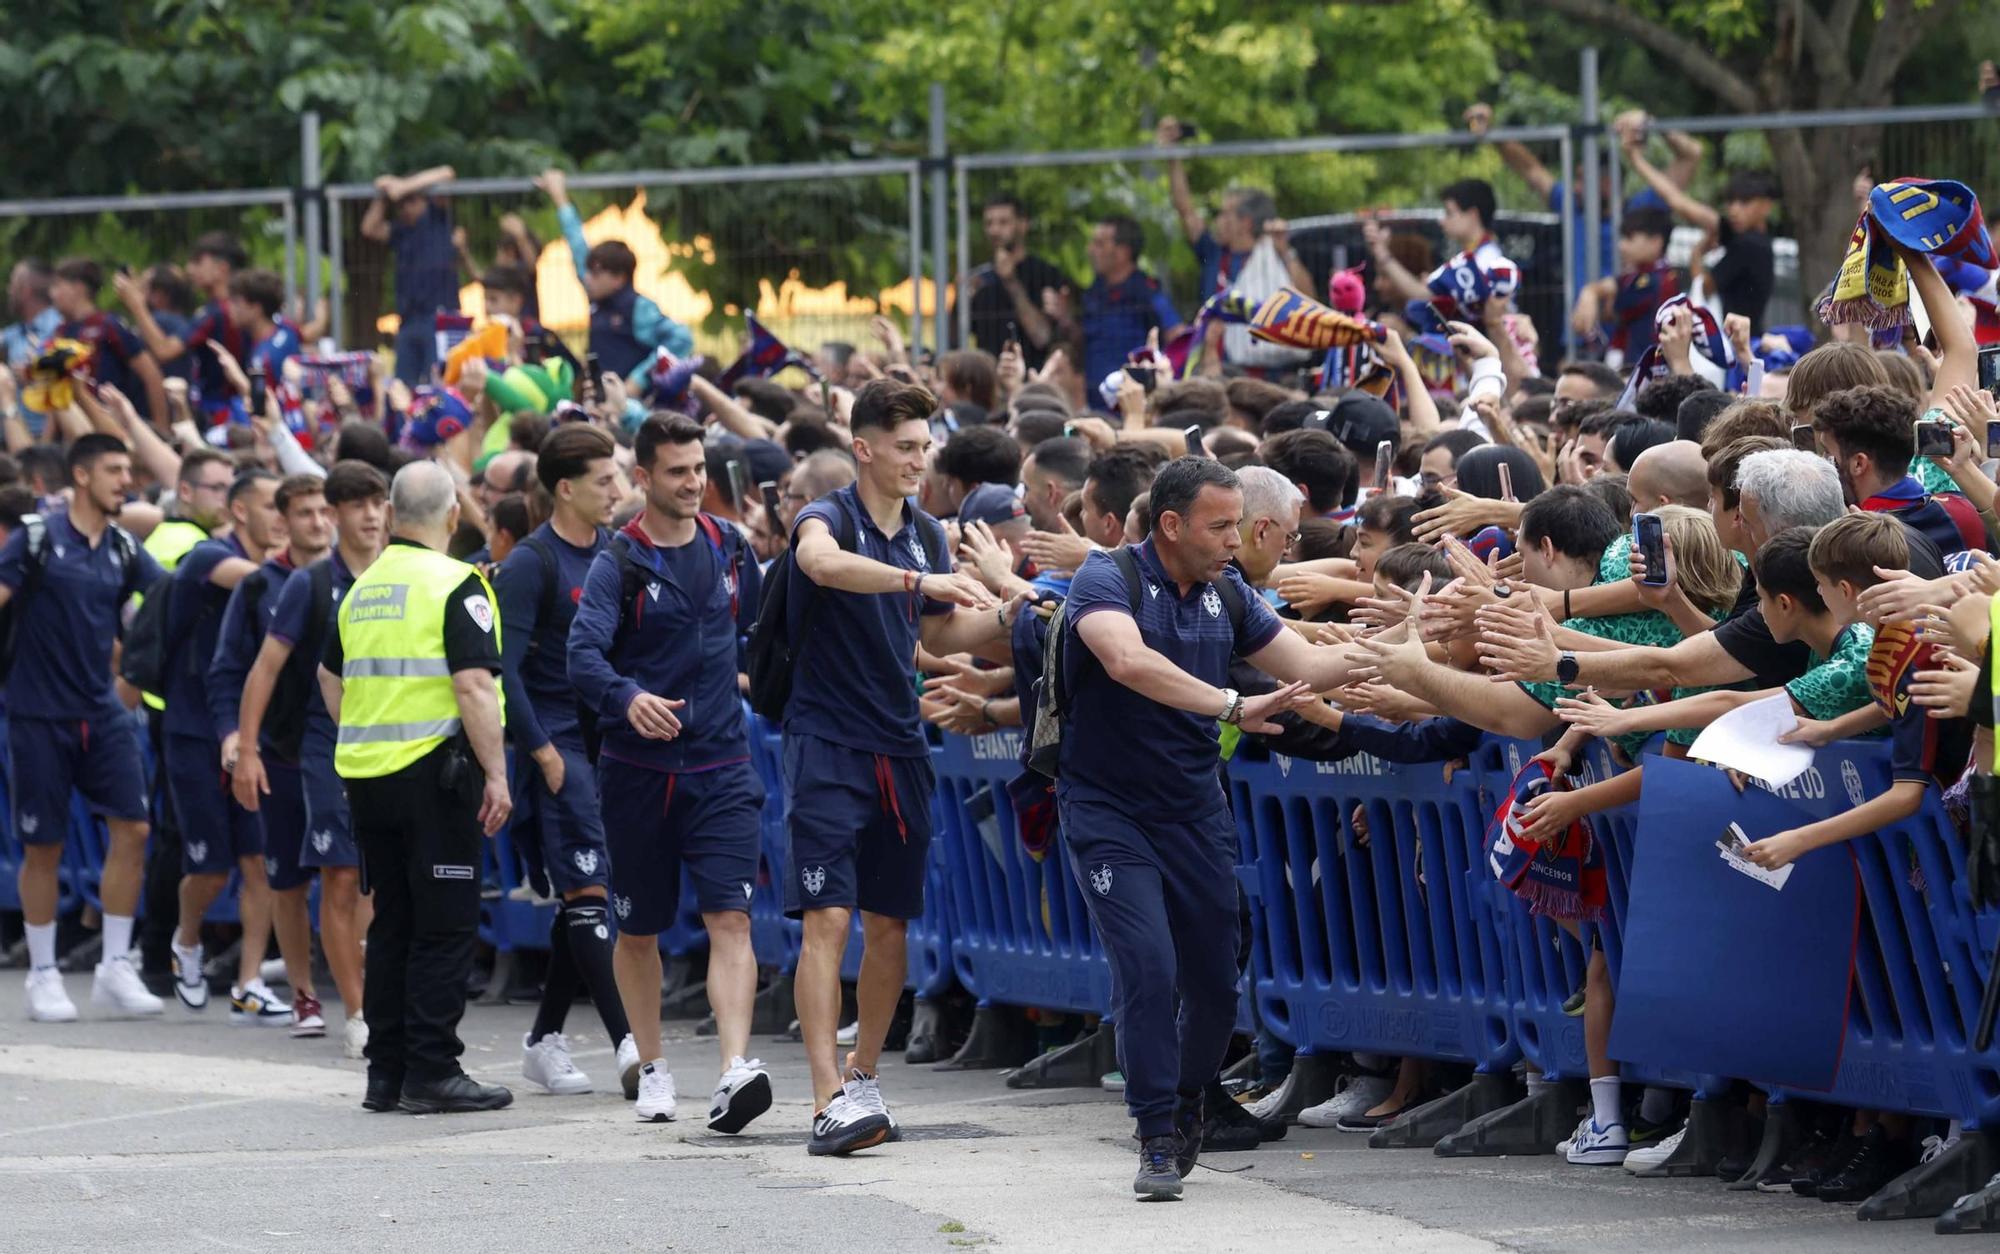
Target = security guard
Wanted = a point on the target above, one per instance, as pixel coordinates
(411, 678)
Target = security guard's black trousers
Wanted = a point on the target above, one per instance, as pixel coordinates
(420, 850)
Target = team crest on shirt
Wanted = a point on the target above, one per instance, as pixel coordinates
(198, 851)
(917, 550)
(586, 861)
(1100, 879)
(481, 610)
(814, 879)
(623, 905)
(1211, 601)
(29, 822)
(322, 842)
(270, 868)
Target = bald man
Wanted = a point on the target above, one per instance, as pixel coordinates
(1669, 474)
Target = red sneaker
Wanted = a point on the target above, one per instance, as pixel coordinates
(306, 1020)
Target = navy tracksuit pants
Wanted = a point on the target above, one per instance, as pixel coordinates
(1163, 896)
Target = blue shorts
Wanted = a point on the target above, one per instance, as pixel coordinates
(858, 828)
(50, 757)
(215, 831)
(566, 829)
(284, 811)
(329, 832)
(712, 820)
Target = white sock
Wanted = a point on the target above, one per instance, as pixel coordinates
(41, 946)
(1604, 1103)
(117, 936)
(1656, 1105)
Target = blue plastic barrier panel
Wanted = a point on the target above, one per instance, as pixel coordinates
(1724, 974)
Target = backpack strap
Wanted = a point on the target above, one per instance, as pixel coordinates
(1232, 600)
(843, 535)
(545, 604)
(319, 622)
(1128, 566)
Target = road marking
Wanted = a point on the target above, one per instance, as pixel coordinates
(136, 1114)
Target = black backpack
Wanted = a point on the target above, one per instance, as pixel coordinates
(291, 696)
(772, 654)
(1043, 751)
(37, 528)
(631, 578)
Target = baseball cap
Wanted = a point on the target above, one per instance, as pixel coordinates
(766, 460)
(992, 504)
(1361, 421)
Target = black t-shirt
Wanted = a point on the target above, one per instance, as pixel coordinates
(1745, 637)
(470, 643)
(1745, 274)
(993, 309)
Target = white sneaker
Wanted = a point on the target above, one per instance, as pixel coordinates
(849, 1034)
(865, 1091)
(117, 986)
(1647, 1157)
(547, 1063)
(255, 1006)
(48, 1000)
(1352, 1095)
(845, 1126)
(1594, 1146)
(357, 1037)
(655, 1103)
(272, 971)
(1935, 1147)
(743, 1093)
(1269, 1105)
(190, 985)
(628, 1067)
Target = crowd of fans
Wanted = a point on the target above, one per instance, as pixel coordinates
(1464, 534)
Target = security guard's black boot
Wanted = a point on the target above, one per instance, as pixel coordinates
(384, 1093)
(452, 1095)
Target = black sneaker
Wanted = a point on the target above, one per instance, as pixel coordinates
(1230, 1126)
(1875, 1162)
(383, 1095)
(1159, 1178)
(1643, 1131)
(1801, 1172)
(455, 1094)
(1188, 1127)
(845, 1126)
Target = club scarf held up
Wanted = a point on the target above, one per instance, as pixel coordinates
(764, 354)
(1934, 216)
(1709, 341)
(1562, 877)
(1287, 316)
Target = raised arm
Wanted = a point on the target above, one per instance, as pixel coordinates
(1114, 639)
(1193, 223)
(1958, 351)
(1685, 207)
(1479, 120)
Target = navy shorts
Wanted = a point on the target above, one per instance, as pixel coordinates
(215, 831)
(858, 828)
(284, 813)
(712, 820)
(51, 757)
(565, 828)
(329, 831)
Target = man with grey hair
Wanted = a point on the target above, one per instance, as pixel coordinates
(411, 678)
(1784, 488)
(1271, 505)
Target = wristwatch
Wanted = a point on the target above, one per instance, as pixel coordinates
(1566, 669)
(1232, 706)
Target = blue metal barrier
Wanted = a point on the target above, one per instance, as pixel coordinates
(1020, 934)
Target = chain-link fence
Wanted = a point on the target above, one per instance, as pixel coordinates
(141, 233)
(813, 252)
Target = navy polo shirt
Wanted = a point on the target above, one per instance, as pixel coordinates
(534, 655)
(65, 628)
(854, 681)
(426, 265)
(292, 620)
(1127, 751)
(241, 636)
(194, 622)
(1116, 318)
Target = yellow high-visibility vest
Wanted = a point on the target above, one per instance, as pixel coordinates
(169, 542)
(396, 702)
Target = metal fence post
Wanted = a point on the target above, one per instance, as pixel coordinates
(291, 216)
(1593, 257)
(938, 245)
(959, 179)
(1568, 175)
(916, 256)
(309, 182)
(336, 287)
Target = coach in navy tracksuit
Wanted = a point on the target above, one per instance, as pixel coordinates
(1140, 796)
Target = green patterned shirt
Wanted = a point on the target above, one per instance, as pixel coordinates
(1837, 684)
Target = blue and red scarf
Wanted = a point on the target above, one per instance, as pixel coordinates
(1709, 341)
(764, 354)
(1562, 878)
(1939, 217)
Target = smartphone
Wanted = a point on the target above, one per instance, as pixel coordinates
(1993, 438)
(1385, 455)
(1803, 438)
(594, 376)
(769, 489)
(1196, 446)
(1013, 333)
(1933, 439)
(1141, 375)
(739, 483)
(1506, 481)
(1989, 368)
(258, 386)
(1649, 537)
(1437, 311)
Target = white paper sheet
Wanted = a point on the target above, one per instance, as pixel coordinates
(1746, 740)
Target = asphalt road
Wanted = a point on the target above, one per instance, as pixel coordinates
(187, 1134)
